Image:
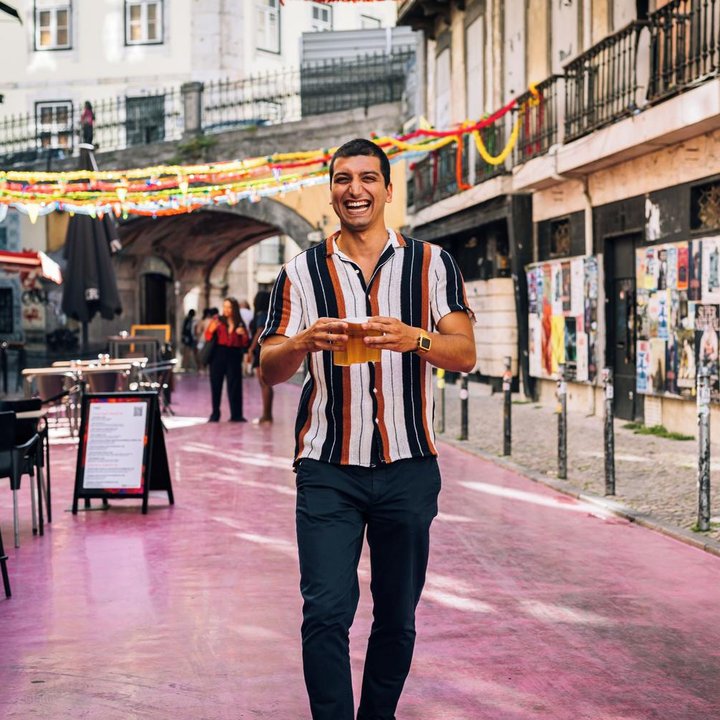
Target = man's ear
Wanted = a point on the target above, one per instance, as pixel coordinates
(389, 193)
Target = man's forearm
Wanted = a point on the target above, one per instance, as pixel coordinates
(455, 353)
(279, 361)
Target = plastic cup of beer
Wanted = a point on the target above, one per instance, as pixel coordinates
(356, 351)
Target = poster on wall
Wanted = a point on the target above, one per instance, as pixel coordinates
(677, 316)
(563, 309)
(710, 270)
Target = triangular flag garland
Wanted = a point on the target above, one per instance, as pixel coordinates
(173, 189)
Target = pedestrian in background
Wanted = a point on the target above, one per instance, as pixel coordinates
(261, 304)
(365, 449)
(200, 328)
(232, 340)
(188, 340)
(87, 123)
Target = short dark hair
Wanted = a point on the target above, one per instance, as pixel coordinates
(361, 146)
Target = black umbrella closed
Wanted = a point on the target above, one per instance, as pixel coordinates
(90, 286)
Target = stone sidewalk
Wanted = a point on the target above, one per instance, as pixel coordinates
(655, 478)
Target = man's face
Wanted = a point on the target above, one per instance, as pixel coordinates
(358, 192)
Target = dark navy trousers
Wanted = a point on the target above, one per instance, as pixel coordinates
(336, 506)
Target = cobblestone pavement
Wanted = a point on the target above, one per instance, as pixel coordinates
(655, 478)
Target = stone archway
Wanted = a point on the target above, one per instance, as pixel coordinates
(202, 244)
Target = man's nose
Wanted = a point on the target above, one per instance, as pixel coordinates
(356, 186)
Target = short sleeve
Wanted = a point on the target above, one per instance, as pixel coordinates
(447, 288)
(285, 315)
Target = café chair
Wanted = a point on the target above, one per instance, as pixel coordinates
(18, 459)
(59, 393)
(3, 568)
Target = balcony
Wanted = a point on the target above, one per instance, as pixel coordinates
(541, 122)
(684, 46)
(601, 84)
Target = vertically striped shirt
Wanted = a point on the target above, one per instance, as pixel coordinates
(367, 413)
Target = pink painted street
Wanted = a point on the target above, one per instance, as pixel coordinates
(536, 605)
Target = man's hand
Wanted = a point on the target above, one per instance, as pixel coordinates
(453, 345)
(281, 356)
(396, 335)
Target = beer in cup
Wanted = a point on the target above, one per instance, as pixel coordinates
(356, 351)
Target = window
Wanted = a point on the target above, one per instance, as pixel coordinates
(52, 26)
(442, 90)
(475, 68)
(143, 22)
(321, 17)
(271, 251)
(268, 25)
(367, 22)
(145, 119)
(54, 125)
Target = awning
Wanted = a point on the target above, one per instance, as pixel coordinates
(28, 261)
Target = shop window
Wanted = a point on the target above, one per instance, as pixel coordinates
(143, 22)
(705, 206)
(53, 121)
(52, 25)
(267, 13)
(560, 238)
(3, 238)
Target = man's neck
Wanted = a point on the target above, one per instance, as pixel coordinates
(358, 245)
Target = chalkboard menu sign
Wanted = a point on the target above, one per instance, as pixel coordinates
(122, 452)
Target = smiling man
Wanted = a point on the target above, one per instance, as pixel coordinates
(365, 450)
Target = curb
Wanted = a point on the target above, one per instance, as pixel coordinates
(689, 538)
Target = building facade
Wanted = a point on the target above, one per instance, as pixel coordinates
(618, 157)
(147, 66)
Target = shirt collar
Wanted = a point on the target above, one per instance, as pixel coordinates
(395, 240)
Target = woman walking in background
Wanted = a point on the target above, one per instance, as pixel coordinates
(232, 339)
(261, 303)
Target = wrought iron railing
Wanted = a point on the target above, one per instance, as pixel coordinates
(684, 45)
(271, 98)
(540, 122)
(494, 138)
(434, 178)
(601, 84)
(119, 123)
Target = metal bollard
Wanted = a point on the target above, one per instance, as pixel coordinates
(441, 387)
(703, 406)
(463, 407)
(561, 393)
(507, 406)
(609, 432)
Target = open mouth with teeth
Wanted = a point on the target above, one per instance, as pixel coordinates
(357, 206)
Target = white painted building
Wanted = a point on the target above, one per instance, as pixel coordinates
(75, 50)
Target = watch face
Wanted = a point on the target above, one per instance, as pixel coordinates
(424, 343)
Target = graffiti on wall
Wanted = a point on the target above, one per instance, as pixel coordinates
(678, 316)
(562, 323)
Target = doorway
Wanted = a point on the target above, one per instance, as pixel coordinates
(155, 297)
(621, 325)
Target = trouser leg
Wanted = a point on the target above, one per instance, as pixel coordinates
(217, 373)
(330, 527)
(234, 383)
(404, 505)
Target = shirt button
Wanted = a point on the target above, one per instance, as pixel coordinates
(377, 420)
(375, 390)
